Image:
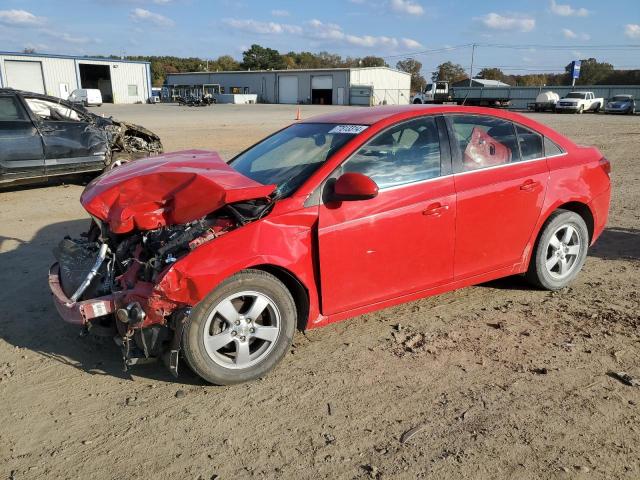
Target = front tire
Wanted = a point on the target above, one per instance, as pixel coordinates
(560, 251)
(241, 330)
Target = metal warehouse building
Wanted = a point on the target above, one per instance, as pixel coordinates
(336, 86)
(120, 81)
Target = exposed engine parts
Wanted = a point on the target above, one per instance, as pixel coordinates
(125, 269)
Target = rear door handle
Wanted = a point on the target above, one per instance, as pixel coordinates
(529, 185)
(435, 209)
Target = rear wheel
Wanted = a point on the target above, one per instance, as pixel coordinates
(560, 252)
(241, 330)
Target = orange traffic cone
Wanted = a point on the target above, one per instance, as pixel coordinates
(298, 117)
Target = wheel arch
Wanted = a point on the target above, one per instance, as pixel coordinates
(576, 206)
(298, 290)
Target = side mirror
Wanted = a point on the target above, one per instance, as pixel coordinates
(354, 186)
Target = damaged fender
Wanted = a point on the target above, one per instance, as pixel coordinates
(282, 241)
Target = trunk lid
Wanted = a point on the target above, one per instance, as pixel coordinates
(169, 189)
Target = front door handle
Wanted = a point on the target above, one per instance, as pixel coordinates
(529, 185)
(435, 209)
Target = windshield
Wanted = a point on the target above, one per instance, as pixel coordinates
(576, 95)
(289, 157)
(621, 98)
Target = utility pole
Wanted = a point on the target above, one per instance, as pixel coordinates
(473, 51)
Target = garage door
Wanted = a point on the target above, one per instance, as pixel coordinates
(288, 89)
(24, 75)
(322, 82)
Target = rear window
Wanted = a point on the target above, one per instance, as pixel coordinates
(530, 143)
(484, 141)
(551, 149)
(10, 110)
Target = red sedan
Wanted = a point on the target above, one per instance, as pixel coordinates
(191, 257)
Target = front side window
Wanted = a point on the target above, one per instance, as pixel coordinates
(290, 156)
(51, 111)
(530, 143)
(10, 110)
(484, 141)
(405, 153)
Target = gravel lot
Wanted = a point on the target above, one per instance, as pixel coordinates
(502, 381)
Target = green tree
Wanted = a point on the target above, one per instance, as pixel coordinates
(591, 72)
(371, 61)
(226, 63)
(450, 72)
(493, 74)
(414, 67)
(262, 58)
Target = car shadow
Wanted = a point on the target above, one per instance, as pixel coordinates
(29, 319)
(617, 243)
(614, 243)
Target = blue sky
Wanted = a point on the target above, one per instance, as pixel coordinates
(384, 28)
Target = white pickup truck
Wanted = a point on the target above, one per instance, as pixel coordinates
(579, 102)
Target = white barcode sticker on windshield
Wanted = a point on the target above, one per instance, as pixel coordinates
(352, 129)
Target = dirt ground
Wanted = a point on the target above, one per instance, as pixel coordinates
(500, 380)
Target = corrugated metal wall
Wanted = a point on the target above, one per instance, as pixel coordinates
(390, 87)
(61, 70)
(521, 96)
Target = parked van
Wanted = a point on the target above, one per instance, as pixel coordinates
(86, 96)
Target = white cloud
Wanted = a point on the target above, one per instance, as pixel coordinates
(254, 26)
(496, 21)
(566, 10)
(407, 6)
(632, 30)
(280, 13)
(570, 34)
(410, 43)
(20, 18)
(68, 38)
(142, 15)
(317, 30)
(359, 2)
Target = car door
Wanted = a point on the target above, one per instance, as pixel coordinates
(71, 142)
(401, 241)
(501, 179)
(21, 151)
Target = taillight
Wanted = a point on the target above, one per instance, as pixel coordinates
(606, 165)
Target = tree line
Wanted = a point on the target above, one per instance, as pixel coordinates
(258, 57)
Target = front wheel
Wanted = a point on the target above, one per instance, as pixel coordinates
(241, 330)
(560, 252)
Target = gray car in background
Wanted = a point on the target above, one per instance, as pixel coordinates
(621, 104)
(43, 136)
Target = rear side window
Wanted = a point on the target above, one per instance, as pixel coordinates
(530, 143)
(484, 141)
(405, 153)
(10, 110)
(551, 149)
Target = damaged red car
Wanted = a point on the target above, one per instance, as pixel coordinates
(189, 257)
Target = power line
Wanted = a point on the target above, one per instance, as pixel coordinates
(612, 47)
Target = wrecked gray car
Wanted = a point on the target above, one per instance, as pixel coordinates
(43, 136)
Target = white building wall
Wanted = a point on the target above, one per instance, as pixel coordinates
(390, 87)
(124, 74)
(59, 70)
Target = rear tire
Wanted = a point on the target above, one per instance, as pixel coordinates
(560, 251)
(241, 330)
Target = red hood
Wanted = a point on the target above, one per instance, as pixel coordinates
(168, 189)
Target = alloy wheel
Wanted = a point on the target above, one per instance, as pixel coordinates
(242, 329)
(563, 251)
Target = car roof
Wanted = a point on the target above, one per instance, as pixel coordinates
(389, 113)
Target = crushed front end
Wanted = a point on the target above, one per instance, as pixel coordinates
(109, 281)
